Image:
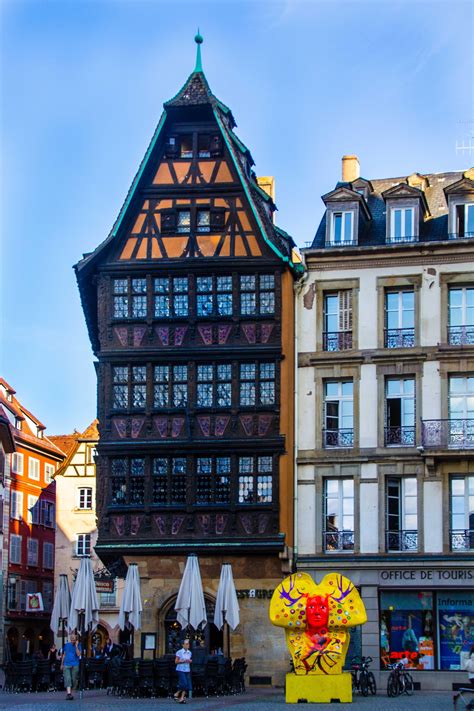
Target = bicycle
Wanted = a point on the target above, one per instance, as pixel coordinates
(400, 681)
(362, 679)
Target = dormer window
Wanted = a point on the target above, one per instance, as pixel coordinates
(186, 147)
(204, 146)
(342, 228)
(464, 216)
(401, 224)
(190, 145)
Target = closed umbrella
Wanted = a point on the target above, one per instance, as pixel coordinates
(62, 604)
(190, 604)
(130, 614)
(84, 612)
(227, 605)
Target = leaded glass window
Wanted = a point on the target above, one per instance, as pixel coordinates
(257, 294)
(267, 383)
(119, 482)
(137, 481)
(222, 480)
(138, 386)
(214, 385)
(171, 297)
(245, 480)
(248, 373)
(180, 385)
(224, 295)
(203, 221)
(213, 480)
(161, 394)
(257, 384)
(264, 480)
(184, 221)
(160, 481)
(178, 480)
(130, 298)
(204, 480)
(255, 480)
(214, 296)
(120, 387)
(204, 299)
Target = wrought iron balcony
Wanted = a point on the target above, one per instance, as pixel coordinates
(461, 335)
(346, 243)
(462, 539)
(401, 541)
(400, 436)
(461, 235)
(338, 541)
(400, 239)
(337, 341)
(338, 438)
(399, 337)
(447, 434)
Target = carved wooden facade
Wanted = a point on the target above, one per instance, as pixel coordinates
(189, 305)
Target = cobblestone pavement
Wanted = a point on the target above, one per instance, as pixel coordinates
(251, 701)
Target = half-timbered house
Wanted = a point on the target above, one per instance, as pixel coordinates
(190, 311)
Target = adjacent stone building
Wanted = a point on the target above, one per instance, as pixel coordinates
(385, 334)
(76, 526)
(189, 304)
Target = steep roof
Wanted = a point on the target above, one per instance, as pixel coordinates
(70, 443)
(434, 228)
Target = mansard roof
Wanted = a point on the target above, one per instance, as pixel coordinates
(437, 187)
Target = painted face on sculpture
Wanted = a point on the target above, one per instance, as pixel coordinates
(317, 611)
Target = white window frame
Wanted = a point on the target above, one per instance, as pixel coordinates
(403, 237)
(341, 513)
(81, 540)
(48, 555)
(16, 509)
(15, 544)
(49, 471)
(344, 238)
(17, 463)
(36, 474)
(467, 206)
(32, 550)
(33, 501)
(85, 489)
(462, 308)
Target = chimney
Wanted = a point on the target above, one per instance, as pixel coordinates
(267, 183)
(350, 169)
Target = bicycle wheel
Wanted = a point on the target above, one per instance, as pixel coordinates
(371, 683)
(364, 685)
(409, 684)
(392, 686)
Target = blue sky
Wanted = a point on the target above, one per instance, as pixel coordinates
(82, 87)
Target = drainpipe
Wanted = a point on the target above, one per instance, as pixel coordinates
(297, 288)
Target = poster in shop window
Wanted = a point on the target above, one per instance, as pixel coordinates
(406, 630)
(456, 628)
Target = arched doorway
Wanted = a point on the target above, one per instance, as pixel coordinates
(209, 638)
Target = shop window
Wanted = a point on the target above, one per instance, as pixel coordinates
(462, 513)
(338, 534)
(400, 319)
(400, 412)
(455, 628)
(337, 315)
(401, 515)
(461, 316)
(338, 414)
(407, 621)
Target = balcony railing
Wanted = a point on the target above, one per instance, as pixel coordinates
(338, 438)
(346, 243)
(401, 540)
(391, 239)
(338, 541)
(461, 235)
(400, 436)
(461, 335)
(399, 337)
(462, 539)
(447, 434)
(337, 341)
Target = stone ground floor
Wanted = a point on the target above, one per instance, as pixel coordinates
(418, 610)
(257, 700)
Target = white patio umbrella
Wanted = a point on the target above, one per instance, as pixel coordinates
(130, 614)
(227, 606)
(84, 611)
(190, 604)
(61, 607)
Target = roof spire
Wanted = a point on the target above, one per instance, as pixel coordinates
(199, 40)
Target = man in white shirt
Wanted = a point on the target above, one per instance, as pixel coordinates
(183, 667)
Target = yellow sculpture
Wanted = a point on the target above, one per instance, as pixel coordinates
(317, 619)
